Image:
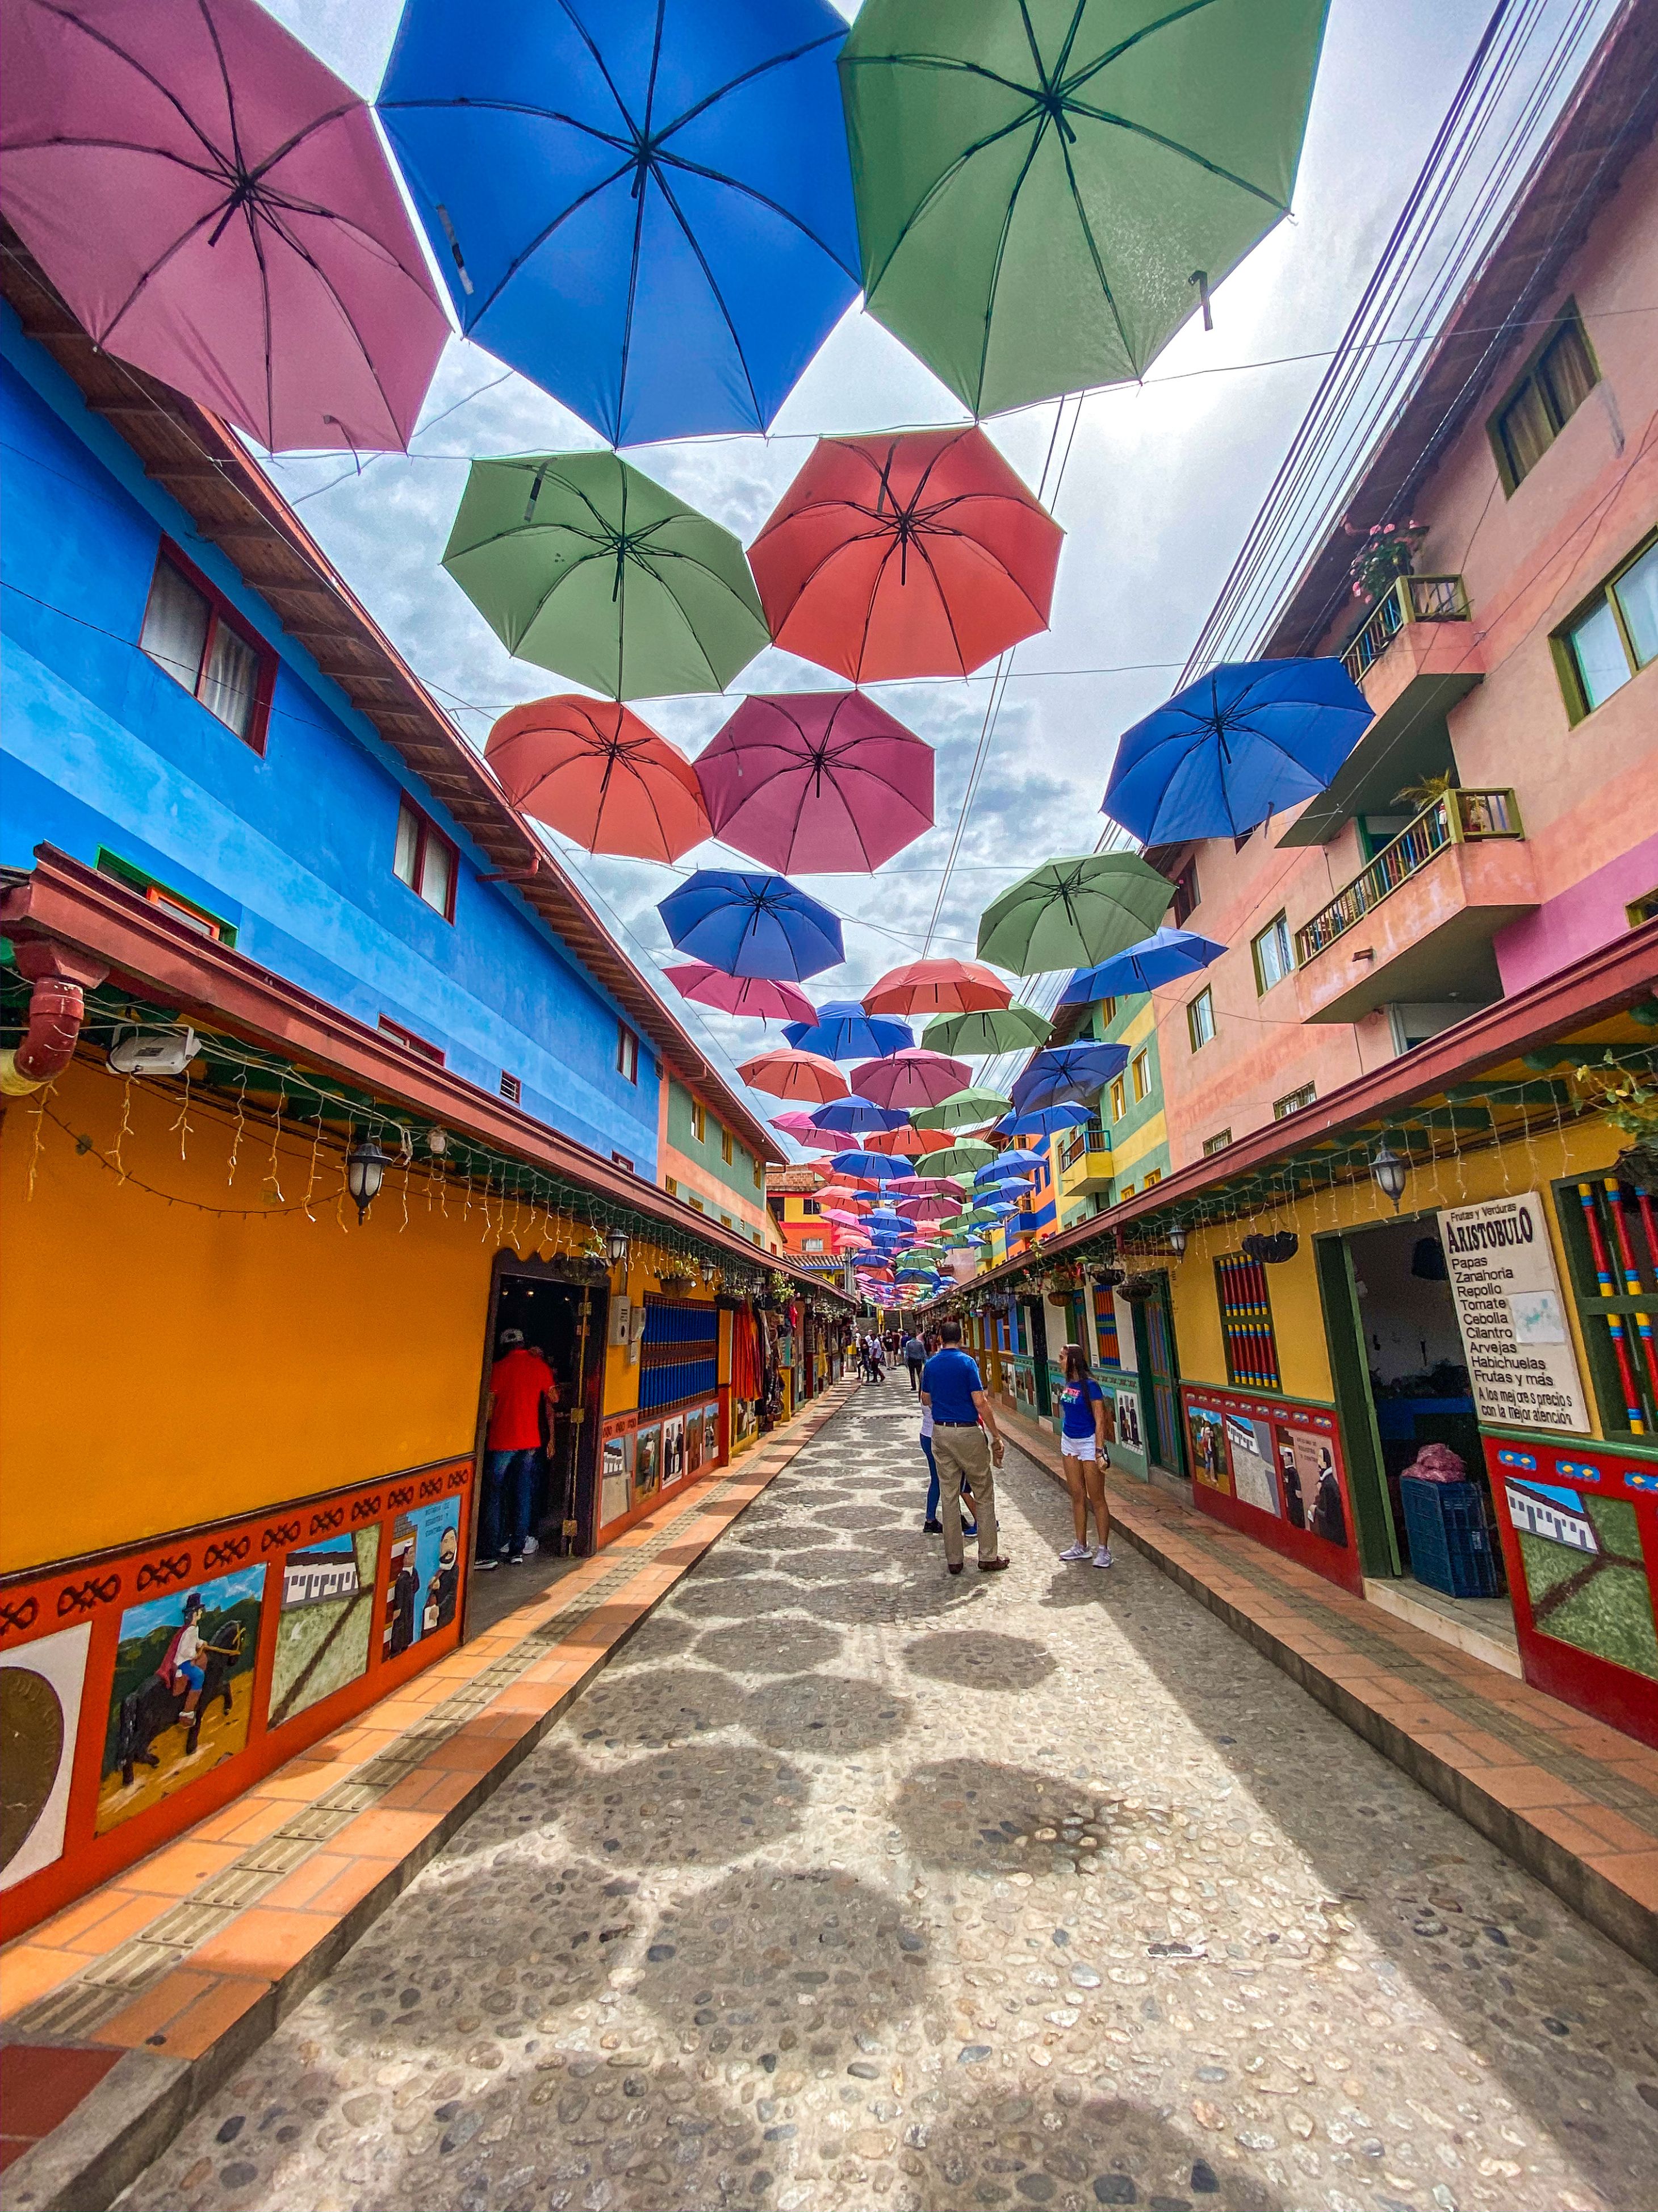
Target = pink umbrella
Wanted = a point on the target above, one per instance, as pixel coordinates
(790, 1074)
(819, 781)
(742, 995)
(795, 1124)
(845, 1194)
(929, 1209)
(910, 1078)
(215, 206)
(839, 1214)
(925, 1187)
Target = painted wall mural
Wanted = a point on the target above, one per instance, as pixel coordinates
(642, 1455)
(143, 1689)
(1274, 1468)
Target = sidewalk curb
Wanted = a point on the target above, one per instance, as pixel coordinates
(1624, 1919)
(124, 2123)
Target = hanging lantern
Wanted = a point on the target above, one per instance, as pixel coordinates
(1389, 1172)
(616, 1246)
(365, 1171)
(1177, 1239)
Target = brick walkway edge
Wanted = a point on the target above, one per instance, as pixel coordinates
(1572, 1801)
(121, 2016)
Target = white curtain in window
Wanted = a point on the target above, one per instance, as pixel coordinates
(175, 625)
(230, 680)
(434, 875)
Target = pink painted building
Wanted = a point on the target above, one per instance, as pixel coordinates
(1499, 820)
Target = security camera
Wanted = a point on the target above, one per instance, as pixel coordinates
(166, 1051)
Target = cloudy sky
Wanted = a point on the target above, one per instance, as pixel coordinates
(1161, 482)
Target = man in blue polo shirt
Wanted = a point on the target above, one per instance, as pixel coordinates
(965, 1441)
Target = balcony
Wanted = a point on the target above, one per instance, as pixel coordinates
(1416, 656)
(1085, 1162)
(1417, 924)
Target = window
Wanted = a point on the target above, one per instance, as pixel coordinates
(410, 1040)
(620, 1160)
(1119, 1099)
(697, 1205)
(1127, 1191)
(1243, 837)
(1246, 1323)
(759, 1174)
(1643, 911)
(425, 860)
(669, 1184)
(1561, 376)
(812, 1244)
(1218, 1143)
(810, 1206)
(1185, 894)
(190, 631)
(1152, 1176)
(1612, 637)
(725, 1147)
(627, 1058)
(169, 902)
(699, 1121)
(1201, 1019)
(1141, 1068)
(1293, 1101)
(1273, 953)
(511, 1089)
(1105, 1016)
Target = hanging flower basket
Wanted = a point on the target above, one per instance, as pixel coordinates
(1387, 552)
(1109, 1276)
(1272, 1251)
(674, 1286)
(1137, 1288)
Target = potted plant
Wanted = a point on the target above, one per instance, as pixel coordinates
(1137, 1288)
(1387, 551)
(1629, 1098)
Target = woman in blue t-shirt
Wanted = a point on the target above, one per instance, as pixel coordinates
(1082, 1445)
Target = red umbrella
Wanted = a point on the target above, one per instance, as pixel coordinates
(905, 1143)
(789, 1074)
(914, 553)
(741, 994)
(845, 1194)
(911, 1077)
(937, 987)
(215, 206)
(592, 768)
(821, 780)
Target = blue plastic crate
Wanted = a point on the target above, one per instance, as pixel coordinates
(1451, 1548)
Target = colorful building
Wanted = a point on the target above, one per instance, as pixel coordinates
(318, 1072)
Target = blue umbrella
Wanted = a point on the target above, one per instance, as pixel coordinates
(1042, 1121)
(852, 1114)
(1247, 739)
(1069, 1073)
(1013, 1162)
(1166, 957)
(644, 208)
(844, 1032)
(752, 926)
(872, 1167)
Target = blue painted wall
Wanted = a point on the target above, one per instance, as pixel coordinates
(101, 750)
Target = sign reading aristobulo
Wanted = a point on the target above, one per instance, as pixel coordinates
(1520, 1358)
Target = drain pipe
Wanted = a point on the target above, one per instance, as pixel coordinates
(59, 976)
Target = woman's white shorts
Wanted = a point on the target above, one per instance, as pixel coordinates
(1079, 1447)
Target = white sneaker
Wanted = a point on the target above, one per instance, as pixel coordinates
(1076, 1551)
(531, 1548)
(1102, 1557)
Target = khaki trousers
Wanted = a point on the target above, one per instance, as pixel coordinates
(961, 1452)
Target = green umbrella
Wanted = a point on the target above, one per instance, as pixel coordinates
(961, 1158)
(581, 565)
(1055, 917)
(1000, 1028)
(963, 1109)
(1046, 192)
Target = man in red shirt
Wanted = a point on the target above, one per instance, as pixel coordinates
(521, 1383)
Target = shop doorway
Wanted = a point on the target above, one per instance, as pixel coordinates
(565, 1321)
(1402, 1388)
(1158, 1362)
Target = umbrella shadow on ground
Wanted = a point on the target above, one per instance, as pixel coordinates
(846, 1563)
(826, 1714)
(788, 1646)
(979, 1659)
(776, 1539)
(871, 1514)
(976, 1815)
(693, 1805)
(733, 1598)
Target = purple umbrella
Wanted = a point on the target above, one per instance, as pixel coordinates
(911, 1078)
(818, 780)
(215, 206)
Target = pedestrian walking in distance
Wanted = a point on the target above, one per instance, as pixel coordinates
(915, 1358)
(966, 1442)
(1084, 1457)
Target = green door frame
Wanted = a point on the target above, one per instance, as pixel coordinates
(1038, 1354)
(1361, 1441)
(1165, 1441)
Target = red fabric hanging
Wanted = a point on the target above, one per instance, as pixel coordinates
(745, 1356)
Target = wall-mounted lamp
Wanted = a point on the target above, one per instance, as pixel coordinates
(616, 1246)
(365, 1171)
(1389, 1172)
(1177, 1240)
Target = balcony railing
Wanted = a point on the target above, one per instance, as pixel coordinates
(1458, 817)
(1410, 599)
(1088, 1137)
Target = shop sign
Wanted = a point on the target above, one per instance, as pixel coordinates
(1521, 1362)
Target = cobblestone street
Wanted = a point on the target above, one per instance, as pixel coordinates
(851, 1884)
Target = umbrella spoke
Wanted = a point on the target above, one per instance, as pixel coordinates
(1173, 146)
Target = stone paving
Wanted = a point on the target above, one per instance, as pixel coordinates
(848, 1883)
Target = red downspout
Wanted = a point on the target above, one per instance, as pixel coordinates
(59, 976)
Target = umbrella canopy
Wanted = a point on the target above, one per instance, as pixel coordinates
(1073, 913)
(959, 1158)
(905, 1143)
(820, 1140)
(593, 770)
(215, 206)
(937, 986)
(752, 926)
(998, 1029)
(1043, 1120)
(1037, 186)
(930, 1209)
(1069, 1073)
(787, 1074)
(823, 780)
(1232, 750)
(839, 1214)
(963, 1109)
(849, 1194)
(651, 220)
(913, 1078)
(844, 1032)
(852, 1116)
(925, 1187)
(580, 563)
(796, 1124)
(874, 1167)
(920, 553)
(1166, 956)
(884, 1218)
(742, 995)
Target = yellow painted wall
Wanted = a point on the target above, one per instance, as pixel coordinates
(1146, 1139)
(161, 1366)
(1583, 1147)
